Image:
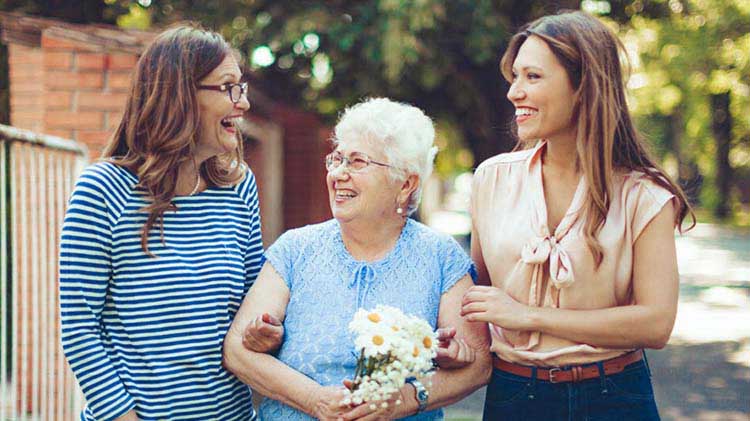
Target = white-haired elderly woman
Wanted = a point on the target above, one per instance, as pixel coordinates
(316, 277)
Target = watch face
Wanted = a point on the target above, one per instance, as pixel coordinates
(422, 395)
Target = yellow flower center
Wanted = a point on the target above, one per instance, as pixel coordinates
(374, 317)
(378, 340)
(427, 342)
(416, 351)
(395, 328)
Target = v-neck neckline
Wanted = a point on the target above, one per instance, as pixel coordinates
(540, 203)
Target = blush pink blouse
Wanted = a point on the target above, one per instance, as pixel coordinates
(557, 270)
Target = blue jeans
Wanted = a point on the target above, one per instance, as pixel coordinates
(623, 396)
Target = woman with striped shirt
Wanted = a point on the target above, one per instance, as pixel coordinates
(161, 241)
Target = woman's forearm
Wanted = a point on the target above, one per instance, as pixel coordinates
(634, 326)
(269, 376)
(448, 386)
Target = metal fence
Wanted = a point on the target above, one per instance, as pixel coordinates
(37, 174)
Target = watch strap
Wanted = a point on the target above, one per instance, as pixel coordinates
(421, 393)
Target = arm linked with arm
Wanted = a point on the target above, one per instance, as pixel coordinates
(263, 372)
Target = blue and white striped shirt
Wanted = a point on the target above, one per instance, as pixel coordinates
(146, 333)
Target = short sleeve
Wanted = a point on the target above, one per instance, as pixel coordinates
(455, 264)
(281, 255)
(645, 200)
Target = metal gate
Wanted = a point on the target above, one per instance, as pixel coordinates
(37, 174)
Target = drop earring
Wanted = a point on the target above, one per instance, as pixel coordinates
(399, 210)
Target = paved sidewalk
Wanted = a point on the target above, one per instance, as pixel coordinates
(704, 372)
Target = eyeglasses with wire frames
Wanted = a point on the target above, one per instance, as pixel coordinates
(235, 90)
(356, 162)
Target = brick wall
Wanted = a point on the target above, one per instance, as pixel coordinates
(69, 88)
(305, 198)
(26, 82)
(86, 90)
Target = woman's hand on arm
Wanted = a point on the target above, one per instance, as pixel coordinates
(263, 334)
(493, 305)
(453, 352)
(647, 323)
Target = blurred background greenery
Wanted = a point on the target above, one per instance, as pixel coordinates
(689, 85)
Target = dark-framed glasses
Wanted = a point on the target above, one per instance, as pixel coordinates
(235, 90)
(356, 161)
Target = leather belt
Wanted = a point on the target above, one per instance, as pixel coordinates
(570, 374)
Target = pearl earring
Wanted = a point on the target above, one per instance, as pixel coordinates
(399, 210)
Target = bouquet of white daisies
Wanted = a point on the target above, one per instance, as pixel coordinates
(393, 347)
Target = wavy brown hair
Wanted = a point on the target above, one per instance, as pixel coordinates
(606, 139)
(159, 128)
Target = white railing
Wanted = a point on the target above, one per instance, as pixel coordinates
(37, 174)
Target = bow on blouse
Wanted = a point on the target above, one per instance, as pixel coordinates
(362, 279)
(539, 249)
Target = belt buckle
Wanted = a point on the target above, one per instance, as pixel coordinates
(552, 373)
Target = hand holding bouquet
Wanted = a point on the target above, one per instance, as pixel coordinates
(393, 347)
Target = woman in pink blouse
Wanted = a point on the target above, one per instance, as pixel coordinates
(573, 237)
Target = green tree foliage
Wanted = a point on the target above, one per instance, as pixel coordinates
(684, 62)
(442, 56)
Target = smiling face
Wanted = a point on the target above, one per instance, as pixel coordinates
(218, 115)
(542, 93)
(367, 195)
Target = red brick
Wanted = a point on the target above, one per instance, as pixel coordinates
(73, 120)
(18, 76)
(73, 80)
(67, 134)
(29, 120)
(58, 100)
(57, 60)
(113, 120)
(54, 43)
(20, 55)
(25, 89)
(93, 138)
(26, 101)
(104, 101)
(122, 61)
(118, 81)
(91, 61)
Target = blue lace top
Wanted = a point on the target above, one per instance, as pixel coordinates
(327, 286)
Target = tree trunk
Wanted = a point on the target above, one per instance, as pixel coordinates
(721, 126)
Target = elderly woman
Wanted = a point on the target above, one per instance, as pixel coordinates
(316, 277)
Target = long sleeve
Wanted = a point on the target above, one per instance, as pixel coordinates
(253, 259)
(85, 270)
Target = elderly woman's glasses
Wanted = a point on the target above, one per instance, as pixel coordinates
(355, 162)
(235, 90)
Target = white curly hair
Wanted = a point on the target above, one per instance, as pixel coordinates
(403, 132)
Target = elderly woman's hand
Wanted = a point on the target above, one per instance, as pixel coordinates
(263, 334)
(365, 411)
(453, 352)
(327, 404)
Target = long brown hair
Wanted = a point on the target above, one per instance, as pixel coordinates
(606, 139)
(161, 123)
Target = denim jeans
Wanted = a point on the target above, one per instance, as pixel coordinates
(625, 396)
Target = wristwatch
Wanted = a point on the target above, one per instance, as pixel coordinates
(422, 394)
